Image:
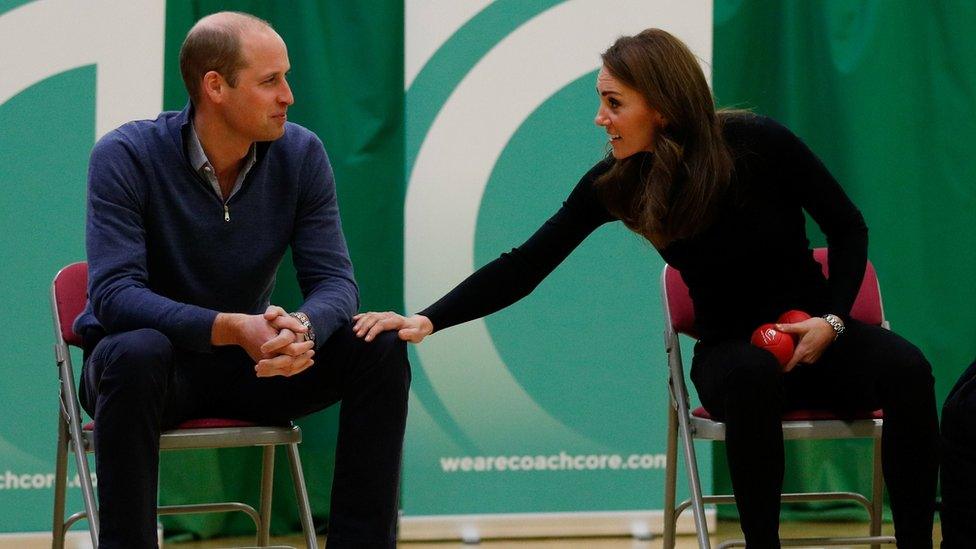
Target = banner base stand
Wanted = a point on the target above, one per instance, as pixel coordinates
(74, 539)
(474, 528)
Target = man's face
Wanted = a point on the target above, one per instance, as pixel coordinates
(255, 108)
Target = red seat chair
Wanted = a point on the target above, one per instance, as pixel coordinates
(68, 297)
(679, 318)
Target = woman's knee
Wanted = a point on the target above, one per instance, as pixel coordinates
(910, 370)
(738, 376)
(759, 373)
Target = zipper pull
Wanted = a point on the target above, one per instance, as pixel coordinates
(226, 213)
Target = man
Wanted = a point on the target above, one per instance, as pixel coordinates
(189, 216)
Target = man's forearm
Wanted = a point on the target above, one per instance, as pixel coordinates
(226, 328)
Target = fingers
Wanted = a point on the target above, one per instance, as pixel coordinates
(285, 344)
(283, 338)
(805, 353)
(394, 322)
(369, 325)
(288, 322)
(274, 311)
(284, 365)
(791, 364)
(789, 328)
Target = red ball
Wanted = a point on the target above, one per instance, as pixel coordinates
(769, 338)
(792, 317)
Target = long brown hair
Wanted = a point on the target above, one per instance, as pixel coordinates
(673, 192)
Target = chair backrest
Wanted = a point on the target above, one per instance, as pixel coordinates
(681, 312)
(69, 293)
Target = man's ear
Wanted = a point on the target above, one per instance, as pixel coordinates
(214, 86)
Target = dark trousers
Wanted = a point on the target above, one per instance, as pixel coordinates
(865, 369)
(136, 384)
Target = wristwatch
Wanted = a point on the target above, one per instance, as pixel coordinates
(310, 333)
(836, 323)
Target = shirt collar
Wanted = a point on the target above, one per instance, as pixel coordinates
(198, 158)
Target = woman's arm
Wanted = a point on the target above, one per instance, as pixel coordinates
(841, 222)
(822, 197)
(508, 278)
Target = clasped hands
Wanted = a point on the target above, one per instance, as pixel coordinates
(275, 341)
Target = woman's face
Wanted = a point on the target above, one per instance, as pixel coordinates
(624, 113)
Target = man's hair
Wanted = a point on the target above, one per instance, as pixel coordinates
(215, 46)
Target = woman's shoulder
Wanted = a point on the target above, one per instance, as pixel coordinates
(598, 169)
(585, 196)
(754, 136)
(749, 126)
(756, 130)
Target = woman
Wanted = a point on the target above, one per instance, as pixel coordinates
(721, 196)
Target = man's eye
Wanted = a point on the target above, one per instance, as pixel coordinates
(614, 103)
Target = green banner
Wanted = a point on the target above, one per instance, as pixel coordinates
(455, 129)
(885, 94)
(61, 90)
(553, 405)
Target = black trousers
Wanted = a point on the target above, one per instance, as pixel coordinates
(865, 369)
(136, 384)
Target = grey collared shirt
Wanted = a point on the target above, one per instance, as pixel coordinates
(200, 163)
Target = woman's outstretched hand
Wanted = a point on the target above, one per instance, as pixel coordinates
(413, 329)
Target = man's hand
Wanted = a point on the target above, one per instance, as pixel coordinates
(274, 340)
(815, 334)
(286, 365)
(291, 334)
(413, 329)
(249, 332)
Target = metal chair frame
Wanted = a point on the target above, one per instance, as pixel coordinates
(682, 421)
(74, 437)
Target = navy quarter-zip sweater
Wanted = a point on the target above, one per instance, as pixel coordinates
(163, 252)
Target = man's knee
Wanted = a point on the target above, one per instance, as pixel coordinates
(391, 355)
(133, 358)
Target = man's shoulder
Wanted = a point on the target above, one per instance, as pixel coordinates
(299, 138)
(298, 147)
(140, 136)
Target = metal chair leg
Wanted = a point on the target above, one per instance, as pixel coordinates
(877, 492)
(60, 482)
(670, 480)
(301, 495)
(697, 505)
(267, 487)
(84, 474)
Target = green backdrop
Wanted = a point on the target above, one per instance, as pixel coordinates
(347, 67)
(884, 92)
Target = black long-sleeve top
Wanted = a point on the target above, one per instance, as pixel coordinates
(750, 265)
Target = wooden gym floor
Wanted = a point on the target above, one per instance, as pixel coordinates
(725, 530)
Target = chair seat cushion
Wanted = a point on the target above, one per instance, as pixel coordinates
(809, 415)
(201, 423)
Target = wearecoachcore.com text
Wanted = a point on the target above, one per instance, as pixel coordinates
(556, 462)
